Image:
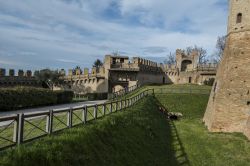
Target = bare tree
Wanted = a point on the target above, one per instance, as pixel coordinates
(170, 60)
(203, 58)
(220, 47)
(189, 50)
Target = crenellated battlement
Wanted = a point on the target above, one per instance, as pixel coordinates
(86, 72)
(21, 78)
(115, 63)
(12, 73)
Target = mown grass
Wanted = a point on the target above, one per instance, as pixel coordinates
(59, 123)
(141, 136)
(136, 136)
(185, 88)
(201, 147)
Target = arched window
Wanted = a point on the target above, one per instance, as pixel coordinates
(239, 18)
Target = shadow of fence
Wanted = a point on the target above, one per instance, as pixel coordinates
(178, 156)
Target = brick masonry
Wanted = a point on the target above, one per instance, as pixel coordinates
(228, 109)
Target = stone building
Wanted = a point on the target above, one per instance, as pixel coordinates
(188, 70)
(21, 79)
(117, 73)
(228, 109)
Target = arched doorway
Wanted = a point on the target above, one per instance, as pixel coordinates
(185, 64)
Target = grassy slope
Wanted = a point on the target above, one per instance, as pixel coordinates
(138, 136)
(200, 147)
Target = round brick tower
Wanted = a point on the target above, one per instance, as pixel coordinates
(228, 108)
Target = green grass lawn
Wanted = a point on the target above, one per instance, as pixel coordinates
(139, 136)
(60, 122)
(136, 136)
(200, 147)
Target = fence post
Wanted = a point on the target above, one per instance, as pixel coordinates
(104, 109)
(16, 123)
(95, 112)
(49, 122)
(69, 118)
(84, 114)
(51, 115)
(111, 107)
(20, 129)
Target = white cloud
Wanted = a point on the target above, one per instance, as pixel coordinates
(61, 31)
(67, 61)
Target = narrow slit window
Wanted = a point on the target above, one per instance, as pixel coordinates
(239, 18)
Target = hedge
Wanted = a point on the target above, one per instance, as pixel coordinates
(24, 97)
(97, 96)
(64, 96)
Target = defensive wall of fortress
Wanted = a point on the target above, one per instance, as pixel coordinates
(22, 78)
(117, 73)
(187, 69)
(121, 72)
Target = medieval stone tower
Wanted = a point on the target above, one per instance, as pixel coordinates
(228, 109)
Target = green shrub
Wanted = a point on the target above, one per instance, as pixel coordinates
(97, 96)
(24, 97)
(64, 96)
(209, 82)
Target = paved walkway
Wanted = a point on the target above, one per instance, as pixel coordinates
(43, 109)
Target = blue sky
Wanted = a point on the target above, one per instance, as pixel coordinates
(65, 33)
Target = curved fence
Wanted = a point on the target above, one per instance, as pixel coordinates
(124, 91)
(21, 128)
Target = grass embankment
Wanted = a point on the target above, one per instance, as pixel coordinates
(137, 136)
(140, 136)
(193, 141)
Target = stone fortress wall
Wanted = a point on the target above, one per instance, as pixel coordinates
(188, 70)
(228, 109)
(91, 80)
(23, 78)
(117, 73)
(121, 72)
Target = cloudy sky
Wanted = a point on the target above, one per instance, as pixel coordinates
(65, 33)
